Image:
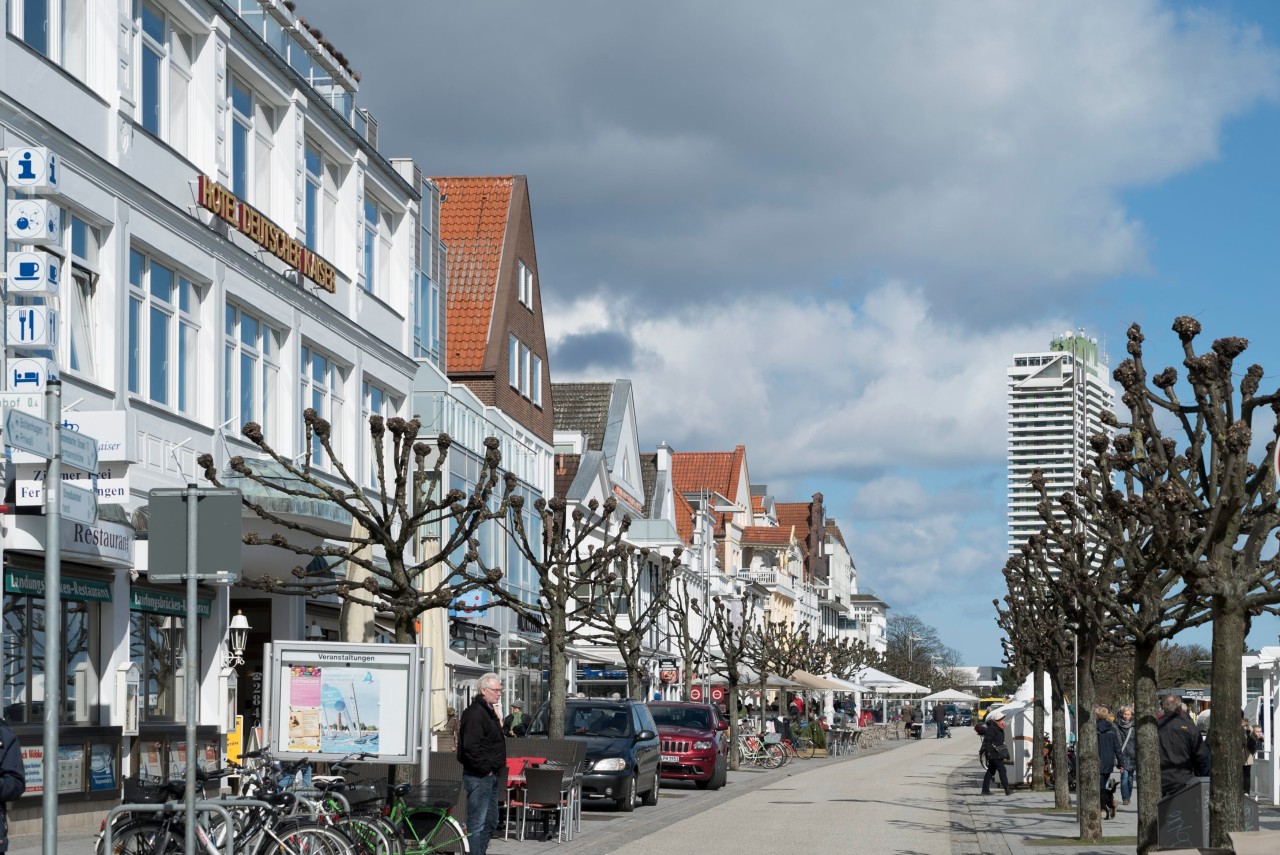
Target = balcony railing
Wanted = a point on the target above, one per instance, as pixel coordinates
(771, 579)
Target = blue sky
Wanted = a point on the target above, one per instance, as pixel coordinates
(822, 230)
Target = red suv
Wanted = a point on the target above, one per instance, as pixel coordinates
(695, 742)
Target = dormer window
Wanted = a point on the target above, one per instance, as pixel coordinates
(524, 284)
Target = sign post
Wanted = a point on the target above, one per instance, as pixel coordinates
(53, 683)
(220, 512)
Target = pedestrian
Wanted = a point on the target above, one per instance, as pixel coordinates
(514, 724)
(1128, 752)
(1182, 753)
(940, 720)
(1108, 750)
(995, 751)
(482, 750)
(1202, 725)
(1252, 744)
(13, 780)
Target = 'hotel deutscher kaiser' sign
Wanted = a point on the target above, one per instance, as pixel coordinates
(268, 235)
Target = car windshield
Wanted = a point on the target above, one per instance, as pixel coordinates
(596, 721)
(681, 717)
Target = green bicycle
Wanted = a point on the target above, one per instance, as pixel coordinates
(421, 816)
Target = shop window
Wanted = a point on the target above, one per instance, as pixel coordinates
(25, 629)
(156, 647)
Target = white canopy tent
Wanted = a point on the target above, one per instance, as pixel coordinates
(885, 685)
(951, 696)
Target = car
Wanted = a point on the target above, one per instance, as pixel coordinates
(965, 717)
(623, 750)
(952, 713)
(695, 743)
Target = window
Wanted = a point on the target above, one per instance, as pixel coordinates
(535, 379)
(25, 631)
(524, 371)
(524, 284)
(251, 141)
(163, 333)
(53, 28)
(250, 370)
(322, 391)
(156, 645)
(78, 308)
(377, 402)
(321, 201)
(377, 247)
(513, 361)
(164, 55)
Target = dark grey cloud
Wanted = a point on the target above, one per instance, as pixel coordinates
(594, 353)
(698, 151)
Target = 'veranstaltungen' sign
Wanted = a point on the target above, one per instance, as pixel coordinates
(249, 221)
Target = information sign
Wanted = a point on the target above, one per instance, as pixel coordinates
(27, 432)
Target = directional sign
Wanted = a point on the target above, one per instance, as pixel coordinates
(25, 431)
(78, 505)
(79, 450)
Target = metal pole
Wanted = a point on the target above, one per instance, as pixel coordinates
(192, 665)
(52, 617)
(424, 759)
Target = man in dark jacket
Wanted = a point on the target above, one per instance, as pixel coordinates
(13, 780)
(482, 750)
(1181, 750)
(940, 719)
(1108, 749)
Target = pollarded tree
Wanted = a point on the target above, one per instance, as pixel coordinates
(1217, 512)
(627, 602)
(690, 629)
(733, 631)
(390, 514)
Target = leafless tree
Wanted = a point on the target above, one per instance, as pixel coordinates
(690, 630)
(729, 622)
(391, 515)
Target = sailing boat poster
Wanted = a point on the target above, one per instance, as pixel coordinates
(339, 699)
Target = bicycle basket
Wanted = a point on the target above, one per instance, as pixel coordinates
(141, 790)
(363, 794)
(772, 738)
(436, 794)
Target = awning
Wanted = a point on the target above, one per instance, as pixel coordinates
(849, 685)
(461, 665)
(887, 684)
(950, 696)
(748, 677)
(587, 654)
(813, 681)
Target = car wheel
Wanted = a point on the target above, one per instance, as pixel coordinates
(627, 802)
(720, 775)
(651, 797)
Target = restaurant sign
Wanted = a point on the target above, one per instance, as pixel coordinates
(249, 221)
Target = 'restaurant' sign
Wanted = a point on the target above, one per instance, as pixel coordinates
(275, 240)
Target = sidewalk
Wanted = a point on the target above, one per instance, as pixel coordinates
(1016, 825)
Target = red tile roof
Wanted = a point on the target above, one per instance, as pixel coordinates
(473, 225)
(766, 535)
(794, 514)
(692, 471)
(757, 504)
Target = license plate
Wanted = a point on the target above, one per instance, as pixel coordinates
(670, 758)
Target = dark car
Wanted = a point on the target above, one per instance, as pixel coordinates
(695, 742)
(622, 748)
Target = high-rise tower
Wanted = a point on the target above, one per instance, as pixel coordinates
(1055, 402)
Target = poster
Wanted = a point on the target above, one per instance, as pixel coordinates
(331, 700)
(33, 768)
(102, 766)
(70, 768)
(235, 741)
(149, 760)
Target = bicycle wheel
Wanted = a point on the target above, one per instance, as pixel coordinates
(426, 831)
(141, 838)
(806, 749)
(300, 837)
(371, 835)
(777, 756)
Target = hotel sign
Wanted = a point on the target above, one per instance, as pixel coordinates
(249, 221)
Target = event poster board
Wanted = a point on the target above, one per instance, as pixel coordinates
(331, 699)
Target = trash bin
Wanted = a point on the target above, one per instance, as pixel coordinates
(1183, 817)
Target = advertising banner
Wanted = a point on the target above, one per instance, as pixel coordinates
(332, 699)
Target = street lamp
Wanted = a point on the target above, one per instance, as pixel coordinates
(237, 639)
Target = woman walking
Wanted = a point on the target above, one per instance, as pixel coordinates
(994, 749)
(1128, 752)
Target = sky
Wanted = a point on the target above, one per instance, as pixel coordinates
(822, 229)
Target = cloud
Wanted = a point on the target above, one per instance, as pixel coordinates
(705, 152)
(815, 387)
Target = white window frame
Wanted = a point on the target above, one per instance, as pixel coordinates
(66, 22)
(322, 193)
(258, 127)
(327, 393)
(524, 284)
(513, 361)
(174, 51)
(535, 378)
(181, 374)
(375, 245)
(376, 400)
(263, 356)
(79, 299)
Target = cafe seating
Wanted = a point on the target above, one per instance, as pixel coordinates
(545, 792)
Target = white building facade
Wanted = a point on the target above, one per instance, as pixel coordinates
(238, 251)
(1055, 402)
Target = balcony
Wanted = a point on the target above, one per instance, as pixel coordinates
(772, 580)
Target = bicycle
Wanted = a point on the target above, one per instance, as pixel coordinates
(752, 750)
(422, 817)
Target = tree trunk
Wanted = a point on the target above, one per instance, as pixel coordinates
(1225, 736)
(1061, 763)
(1146, 705)
(632, 661)
(732, 690)
(1088, 796)
(1037, 724)
(557, 670)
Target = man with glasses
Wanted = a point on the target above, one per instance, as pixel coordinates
(482, 751)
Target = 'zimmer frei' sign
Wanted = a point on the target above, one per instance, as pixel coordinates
(249, 221)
